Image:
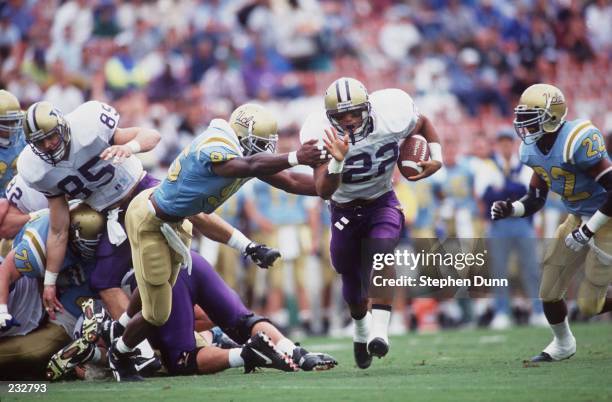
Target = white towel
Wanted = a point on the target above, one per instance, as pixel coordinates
(116, 233)
(174, 241)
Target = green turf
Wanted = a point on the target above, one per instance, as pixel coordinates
(473, 365)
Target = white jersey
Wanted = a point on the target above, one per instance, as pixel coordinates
(83, 174)
(369, 163)
(25, 305)
(24, 197)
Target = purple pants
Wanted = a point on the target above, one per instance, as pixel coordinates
(357, 232)
(113, 262)
(204, 287)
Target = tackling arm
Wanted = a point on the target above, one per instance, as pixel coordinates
(12, 223)
(146, 138)
(292, 182)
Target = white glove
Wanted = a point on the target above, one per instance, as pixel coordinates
(6, 320)
(578, 238)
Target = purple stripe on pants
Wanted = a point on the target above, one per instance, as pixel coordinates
(113, 262)
(356, 234)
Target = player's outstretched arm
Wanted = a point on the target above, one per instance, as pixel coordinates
(292, 182)
(132, 140)
(327, 177)
(57, 241)
(428, 131)
(265, 164)
(528, 205)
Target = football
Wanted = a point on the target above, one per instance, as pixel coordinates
(412, 151)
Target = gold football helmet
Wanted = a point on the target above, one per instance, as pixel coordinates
(347, 95)
(44, 121)
(255, 127)
(11, 117)
(86, 228)
(541, 109)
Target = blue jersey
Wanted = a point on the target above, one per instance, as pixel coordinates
(457, 183)
(8, 160)
(191, 186)
(30, 248)
(578, 147)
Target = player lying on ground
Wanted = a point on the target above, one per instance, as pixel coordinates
(569, 158)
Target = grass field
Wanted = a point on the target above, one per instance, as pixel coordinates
(474, 365)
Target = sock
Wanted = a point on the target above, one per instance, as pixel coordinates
(286, 346)
(362, 328)
(562, 331)
(122, 347)
(235, 360)
(381, 314)
(124, 319)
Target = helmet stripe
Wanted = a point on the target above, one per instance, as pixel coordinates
(32, 119)
(348, 92)
(338, 91)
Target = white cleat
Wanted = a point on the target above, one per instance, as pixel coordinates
(557, 351)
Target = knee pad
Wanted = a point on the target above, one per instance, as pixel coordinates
(186, 363)
(241, 332)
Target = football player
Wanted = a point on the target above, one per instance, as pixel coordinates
(84, 155)
(208, 171)
(21, 309)
(12, 140)
(568, 157)
(364, 140)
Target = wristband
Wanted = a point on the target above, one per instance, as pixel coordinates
(335, 167)
(3, 309)
(435, 152)
(518, 209)
(134, 146)
(292, 158)
(596, 221)
(238, 241)
(50, 278)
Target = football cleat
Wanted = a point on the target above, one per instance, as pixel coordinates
(123, 365)
(313, 361)
(63, 362)
(363, 358)
(259, 351)
(145, 360)
(90, 329)
(110, 330)
(378, 347)
(556, 351)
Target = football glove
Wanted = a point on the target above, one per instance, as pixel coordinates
(262, 255)
(578, 238)
(501, 210)
(6, 320)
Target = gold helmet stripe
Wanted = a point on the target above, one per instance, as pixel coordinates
(348, 91)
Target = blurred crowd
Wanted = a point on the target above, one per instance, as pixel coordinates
(176, 64)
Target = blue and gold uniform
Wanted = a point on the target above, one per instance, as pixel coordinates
(8, 159)
(579, 146)
(191, 186)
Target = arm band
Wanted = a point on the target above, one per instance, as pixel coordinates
(134, 146)
(50, 278)
(292, 158)
(435, 152)
(533, 201)
(3, 309)
(335, 167)
(238, 241)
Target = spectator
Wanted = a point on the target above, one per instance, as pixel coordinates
(62, 94)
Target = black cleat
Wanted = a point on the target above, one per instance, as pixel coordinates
(66, 359)
(363, 358)
(123, 365)
(313, 361)
(546, 358)
(378, 347)
(110, 330)
(259, 351)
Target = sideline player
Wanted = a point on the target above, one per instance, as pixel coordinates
(568, 157)
(364, 141)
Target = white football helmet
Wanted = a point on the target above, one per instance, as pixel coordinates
(541, 109)
(348, 95)
(43, 121)
(255, 127)
(11, 118)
